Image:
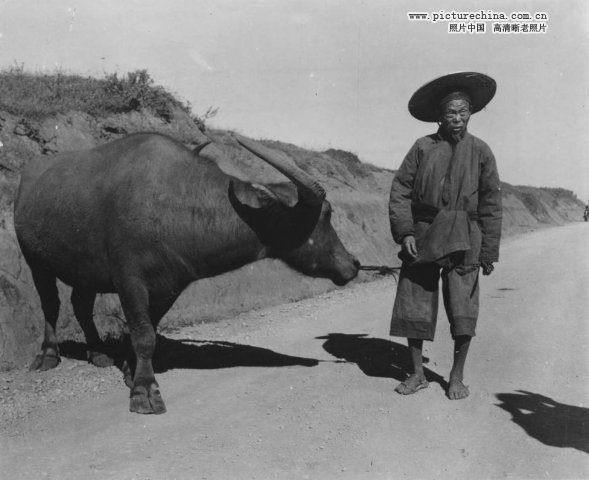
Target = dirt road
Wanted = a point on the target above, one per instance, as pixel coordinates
(306, 391)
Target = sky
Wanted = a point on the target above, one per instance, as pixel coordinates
(333, 73)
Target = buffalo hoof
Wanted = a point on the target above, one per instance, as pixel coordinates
(100, 359)
(45, 361)
(147, 399)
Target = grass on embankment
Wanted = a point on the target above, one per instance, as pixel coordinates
(38, 95)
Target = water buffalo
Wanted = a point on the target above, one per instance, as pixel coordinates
(144, 217)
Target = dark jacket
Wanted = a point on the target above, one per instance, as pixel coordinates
(438, 174)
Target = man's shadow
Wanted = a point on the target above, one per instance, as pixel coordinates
(548, 421)
(194, 354)
(376, 357)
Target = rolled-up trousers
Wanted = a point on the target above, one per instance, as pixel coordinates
(416, 304)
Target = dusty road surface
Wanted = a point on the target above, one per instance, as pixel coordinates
(306, 391)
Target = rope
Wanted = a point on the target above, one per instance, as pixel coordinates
(381, 269)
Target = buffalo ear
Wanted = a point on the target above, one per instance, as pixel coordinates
(279, 227)
(245, 196)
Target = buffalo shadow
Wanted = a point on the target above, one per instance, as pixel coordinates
(548, 421)
(191, 354)
(376, 357)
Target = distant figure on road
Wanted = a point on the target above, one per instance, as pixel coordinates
(445, 212)
(586, 213)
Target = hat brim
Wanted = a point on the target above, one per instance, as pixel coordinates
(424, 102)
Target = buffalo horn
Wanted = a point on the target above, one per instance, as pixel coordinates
(198, 148)
(310, 191)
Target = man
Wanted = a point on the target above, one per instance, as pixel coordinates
(445, 212)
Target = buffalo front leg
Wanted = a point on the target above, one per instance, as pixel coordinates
(83, 304)
(157, 309)
(46, 287)
(145, 394)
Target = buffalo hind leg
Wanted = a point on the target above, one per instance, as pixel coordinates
(46, 286)
(145, 394)
(83, 303)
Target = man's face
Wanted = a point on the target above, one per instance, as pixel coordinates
(454, 117)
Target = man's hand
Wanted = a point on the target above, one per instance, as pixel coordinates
(487, 267)
(409, 246)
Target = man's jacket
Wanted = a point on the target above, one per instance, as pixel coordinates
(442, 191)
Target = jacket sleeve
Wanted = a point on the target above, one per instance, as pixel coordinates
(400, 214)
(489, 208)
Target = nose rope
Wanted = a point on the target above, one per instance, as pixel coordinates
(381, 269)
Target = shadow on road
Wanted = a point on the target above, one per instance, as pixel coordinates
(195, 354)
(552, 423)
(376, 357)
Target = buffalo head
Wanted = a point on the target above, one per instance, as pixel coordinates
(300, 234)
(323, 254)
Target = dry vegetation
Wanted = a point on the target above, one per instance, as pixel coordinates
(38, 95)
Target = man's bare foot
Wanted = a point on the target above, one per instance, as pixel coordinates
(457, 390)
(414, 383)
